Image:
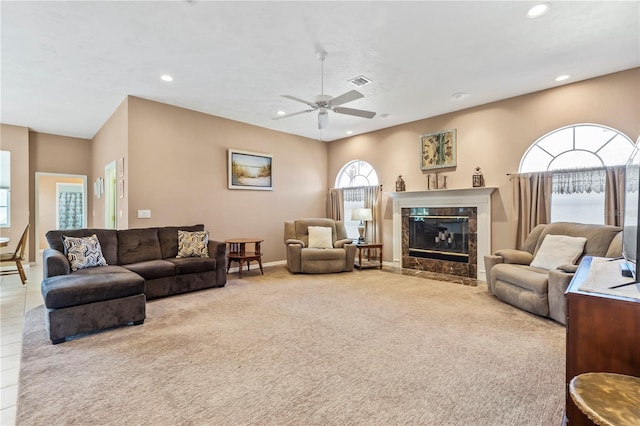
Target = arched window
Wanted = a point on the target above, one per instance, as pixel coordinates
(355, 173)
(579, 146)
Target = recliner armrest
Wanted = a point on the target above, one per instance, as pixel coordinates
(291, 241)
(558, 283)
(568, 267)
(341, 243)
(518, 257)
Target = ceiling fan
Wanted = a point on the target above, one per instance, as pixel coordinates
(325, 103)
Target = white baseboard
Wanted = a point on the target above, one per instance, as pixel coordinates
(264, 265)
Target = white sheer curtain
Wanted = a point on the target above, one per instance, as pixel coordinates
(579, 181)
(604, 180)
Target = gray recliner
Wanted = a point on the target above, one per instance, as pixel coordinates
(304, 259)
(539, 291)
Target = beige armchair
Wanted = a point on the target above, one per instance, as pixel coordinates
(310, 254)
(513, 277)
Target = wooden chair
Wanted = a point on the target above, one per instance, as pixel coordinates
(17, 256)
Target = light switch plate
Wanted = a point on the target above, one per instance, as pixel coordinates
(144, 214)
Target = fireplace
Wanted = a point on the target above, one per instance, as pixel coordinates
(460, 215)
(440, 239)
(434, 236)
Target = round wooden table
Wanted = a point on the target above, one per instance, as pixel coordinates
(608, 399)
(4, 241)
(238, 253)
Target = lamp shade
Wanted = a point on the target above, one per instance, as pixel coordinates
(361, 214)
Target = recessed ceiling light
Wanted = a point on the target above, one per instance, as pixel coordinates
(349, 132)
(458, 95)
(281, 113)
(562, 77)
(538, 10)
(166, 77)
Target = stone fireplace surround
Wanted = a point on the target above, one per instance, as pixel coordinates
(480, 198)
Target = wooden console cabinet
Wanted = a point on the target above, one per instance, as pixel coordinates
(603, 335)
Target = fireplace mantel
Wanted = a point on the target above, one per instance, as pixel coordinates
(463, 197)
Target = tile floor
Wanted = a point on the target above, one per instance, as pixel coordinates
(15, 300)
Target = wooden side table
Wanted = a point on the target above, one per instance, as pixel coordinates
(608, 399)
(238, 253)
(376, 247)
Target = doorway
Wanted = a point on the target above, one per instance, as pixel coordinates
(49, 188)
(110, 196)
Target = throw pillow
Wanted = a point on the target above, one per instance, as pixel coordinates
(83, 252)
(193, 244)
(557, 250)
(320, 237)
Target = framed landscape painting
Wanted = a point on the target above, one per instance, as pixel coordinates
(438, 150)
(250, 170)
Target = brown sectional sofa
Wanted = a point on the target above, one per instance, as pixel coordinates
(512, 279)
(142, 265)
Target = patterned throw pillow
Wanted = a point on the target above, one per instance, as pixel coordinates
(193, 244)
(83, 252)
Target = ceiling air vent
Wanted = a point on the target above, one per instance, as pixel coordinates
(360, 81)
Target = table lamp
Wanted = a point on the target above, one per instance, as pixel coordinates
(361, 215)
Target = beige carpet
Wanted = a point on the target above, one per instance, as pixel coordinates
(363, 348)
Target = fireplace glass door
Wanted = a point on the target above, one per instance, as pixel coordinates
(438, 236)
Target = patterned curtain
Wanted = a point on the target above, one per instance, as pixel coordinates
(70, 211)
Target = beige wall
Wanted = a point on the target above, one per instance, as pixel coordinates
(177, 168)
(176, 160)
(108, 145)
(54, 154)
(493, 136)
(16, 140)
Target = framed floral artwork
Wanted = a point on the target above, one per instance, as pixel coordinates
(438, 150)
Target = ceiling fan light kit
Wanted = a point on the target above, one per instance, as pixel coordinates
(325, 103)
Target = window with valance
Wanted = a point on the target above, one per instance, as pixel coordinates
(586, 162)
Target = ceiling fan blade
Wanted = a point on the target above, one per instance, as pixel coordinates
(357, 112)
(351, 95)
(292, 114)
(293, 98)
(323, 119)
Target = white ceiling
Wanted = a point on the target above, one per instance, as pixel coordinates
(66, 66)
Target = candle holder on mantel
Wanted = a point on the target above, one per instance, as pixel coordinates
(400, 187)
(478, 178)
(436, 181)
